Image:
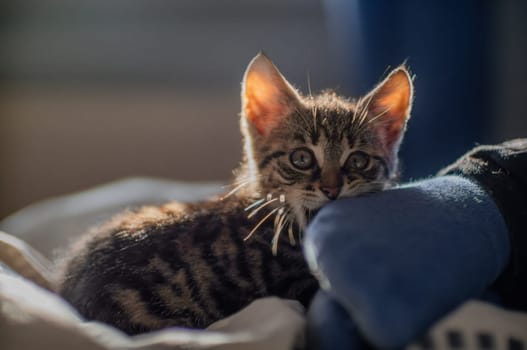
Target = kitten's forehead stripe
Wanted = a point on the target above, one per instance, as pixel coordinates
(299, 138)
(315, 136)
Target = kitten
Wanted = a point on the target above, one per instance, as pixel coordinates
(193, 264)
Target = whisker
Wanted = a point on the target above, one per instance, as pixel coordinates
(300, 217)
(255, 204)
(315, 111)
(304, 118)
(255, 211)
(355, 121)
(309, 85)
(291, 233)
(364, 121)
(277, 232)
(236, 189)
(241, 180)
(260, 223)
(363, 114)
(234, 184)
(284, 217)
(365, 111)
(378, 116)
(278, 217)
(314, 106)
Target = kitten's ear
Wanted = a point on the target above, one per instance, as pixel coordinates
(389, 106)
(267, 97)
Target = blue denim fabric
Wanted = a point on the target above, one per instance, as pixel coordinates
(399, 260)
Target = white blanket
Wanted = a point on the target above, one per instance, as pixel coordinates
(33, 317)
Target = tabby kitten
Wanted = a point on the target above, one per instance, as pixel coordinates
(192, 264)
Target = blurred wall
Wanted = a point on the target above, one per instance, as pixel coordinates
(469, 61)
(93, 91)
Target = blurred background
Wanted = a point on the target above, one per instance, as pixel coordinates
(94, 91)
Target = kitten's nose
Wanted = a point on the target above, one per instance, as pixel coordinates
(330, 192)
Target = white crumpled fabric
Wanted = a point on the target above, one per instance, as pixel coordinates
(33, 317)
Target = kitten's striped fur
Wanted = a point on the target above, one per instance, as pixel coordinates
(193, 264)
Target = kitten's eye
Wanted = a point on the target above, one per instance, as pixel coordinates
(358, 161)
(302, 158)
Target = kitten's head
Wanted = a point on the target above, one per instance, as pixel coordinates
(308, 150)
